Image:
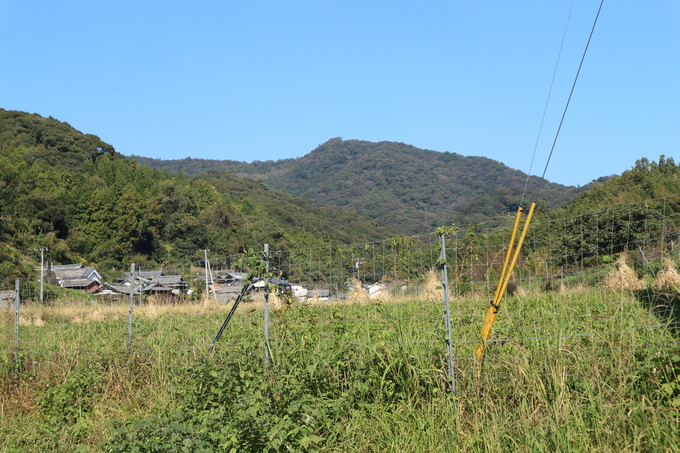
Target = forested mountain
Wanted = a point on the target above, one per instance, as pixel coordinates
(640, 205)
(410, 189)
(646, 180)
(78, 197)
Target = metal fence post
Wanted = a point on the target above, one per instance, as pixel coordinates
(447, 314)
(266, 309)
(132, 304)
(16, 326)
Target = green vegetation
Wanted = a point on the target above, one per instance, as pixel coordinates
(579, 371)
(409, 189)
(575, 364)
(73, 194)
(623, 213)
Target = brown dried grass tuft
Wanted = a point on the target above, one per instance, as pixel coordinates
(668, 279)
(315, 297)
(95, 315)
(257, 302)
(151, 311)
(432, 290)
(623, 278)
(562, 289)
(385, 297)
(209, 304)
(357, 295)
(276, 302)
(520, 291)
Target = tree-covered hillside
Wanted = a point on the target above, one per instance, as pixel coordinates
(48, 140)
(640, 205)
(646, 180)
(73, 194)
(410, 189)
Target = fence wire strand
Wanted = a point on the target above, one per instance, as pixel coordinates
(386, 294)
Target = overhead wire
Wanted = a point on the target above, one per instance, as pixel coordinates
(547, 102)
(513, 250)
(573, 86)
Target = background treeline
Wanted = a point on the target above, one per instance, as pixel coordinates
(74, 194)
(412, 190)
(640, 204)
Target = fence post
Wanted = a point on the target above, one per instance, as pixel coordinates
(447, 314)
(266, 309)
(16, 326)
(132, 304)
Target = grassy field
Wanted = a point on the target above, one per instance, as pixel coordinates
(581, 370)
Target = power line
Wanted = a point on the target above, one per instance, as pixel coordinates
(566, 107)
(547, 102)
(573, 86)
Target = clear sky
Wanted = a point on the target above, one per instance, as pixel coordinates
(259, 80)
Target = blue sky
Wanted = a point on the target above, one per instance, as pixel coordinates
(260, 80)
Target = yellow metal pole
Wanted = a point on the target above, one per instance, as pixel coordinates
(513, 236)
(492, 311)
(493, 305)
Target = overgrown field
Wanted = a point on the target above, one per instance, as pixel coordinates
(566, 371)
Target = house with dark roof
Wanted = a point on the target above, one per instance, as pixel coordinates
(153, 282)
(90, 286)
(149, 275)
(108, 289)
(176, 283)
(230, 277)
(76, 276)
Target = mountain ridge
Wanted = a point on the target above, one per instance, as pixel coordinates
(410, 189)
(74, 195)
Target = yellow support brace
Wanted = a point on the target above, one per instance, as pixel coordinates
(513, 236)
(494, 306)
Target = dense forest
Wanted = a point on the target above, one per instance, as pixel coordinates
(410, 189)
(75, 195)
(640, 204)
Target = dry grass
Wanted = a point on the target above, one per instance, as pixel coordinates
(83, 312)
(432, 290)
(276, 302)
(668, 279)
(77, 313)
(357, 295)
(623, 278)
(209, 304)
(385, 297)
(314, 300)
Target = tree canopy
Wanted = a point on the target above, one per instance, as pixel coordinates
(73, 194)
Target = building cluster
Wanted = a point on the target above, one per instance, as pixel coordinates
(83, 278)
(225, 286)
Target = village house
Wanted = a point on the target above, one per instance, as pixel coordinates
(75, 276)
(148, 283)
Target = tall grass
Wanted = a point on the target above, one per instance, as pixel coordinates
(569, 371)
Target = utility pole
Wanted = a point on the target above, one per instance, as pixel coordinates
(42, 270)
(207, 290)
(357, 263)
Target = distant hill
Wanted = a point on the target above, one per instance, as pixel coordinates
(51, 141)
(409, 189)
(75, 195)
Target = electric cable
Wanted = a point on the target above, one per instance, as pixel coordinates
(566, 107)
(547, 102)
(573, 86)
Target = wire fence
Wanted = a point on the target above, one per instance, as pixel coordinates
(589, 285)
